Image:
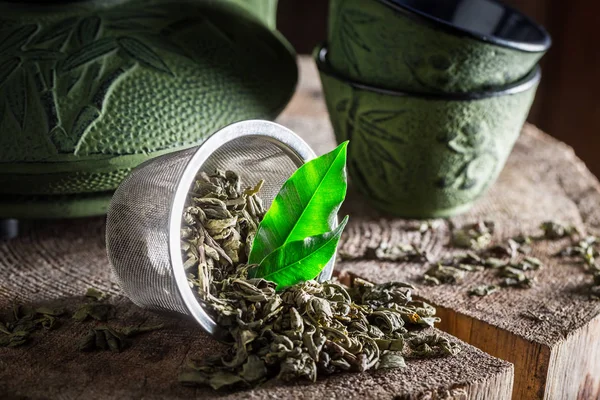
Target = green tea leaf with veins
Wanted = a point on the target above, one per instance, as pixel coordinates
(306, 205)
(300, 260)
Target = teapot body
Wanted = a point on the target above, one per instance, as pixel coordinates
(91, 89)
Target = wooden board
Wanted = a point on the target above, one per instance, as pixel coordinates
(558, 358)
(53, 263)
(52, 367)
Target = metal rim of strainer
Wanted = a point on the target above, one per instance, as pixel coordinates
(287, 140)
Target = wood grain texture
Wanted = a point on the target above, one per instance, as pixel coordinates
(51, 367)
(555, 359)
(53, 263)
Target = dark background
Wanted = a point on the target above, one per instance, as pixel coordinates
(567, 105)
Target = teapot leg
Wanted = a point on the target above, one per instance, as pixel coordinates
(9, 229)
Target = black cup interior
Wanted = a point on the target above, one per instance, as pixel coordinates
(488, 20)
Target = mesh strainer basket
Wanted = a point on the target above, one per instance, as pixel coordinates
(144, 217)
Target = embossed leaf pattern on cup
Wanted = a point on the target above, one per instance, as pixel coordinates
(371, 124)
(349, 35)
(88, 29)
(41, 55)
(89, 53)
(7, 67)
(17, 38)
(56, 32)
(75, 59)
(478, 157)
(17, 97)
(143, 54)
(370, 142)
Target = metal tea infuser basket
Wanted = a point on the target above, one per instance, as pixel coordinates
(145, 215)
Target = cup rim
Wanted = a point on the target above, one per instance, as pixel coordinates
(524, 46)
(522, 85)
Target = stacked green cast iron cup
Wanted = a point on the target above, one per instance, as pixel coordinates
(432, 95)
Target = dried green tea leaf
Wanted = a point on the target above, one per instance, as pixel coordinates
(88, 343)
(431, 280)
(131, 331)
(96, 294)
(533, 261)
(535, 316)
(483, 290)
(103, 338)
(400, 252)
(430, 345)
(26, 322)
(473, 236)
(55, 312)
(300, 366)
(14, 339)
(222, 379)
(389, 360)
(97, 311)
(112, 339)
(470, 267)
(429, 226)
(493, 262)
(444, 274)
(527, 264)
(555, 230)
(254, 369)
(516, 277)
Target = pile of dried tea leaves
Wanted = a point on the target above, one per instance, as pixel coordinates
(220, 222)
(313, 329)
(304, 331)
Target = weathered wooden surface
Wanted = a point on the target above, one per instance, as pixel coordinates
(52, 367)
(55, 262)
(558, 358)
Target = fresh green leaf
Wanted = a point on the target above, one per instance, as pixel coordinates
(305, 206)
(300, 260)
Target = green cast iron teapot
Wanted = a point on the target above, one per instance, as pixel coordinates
(90, 89)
